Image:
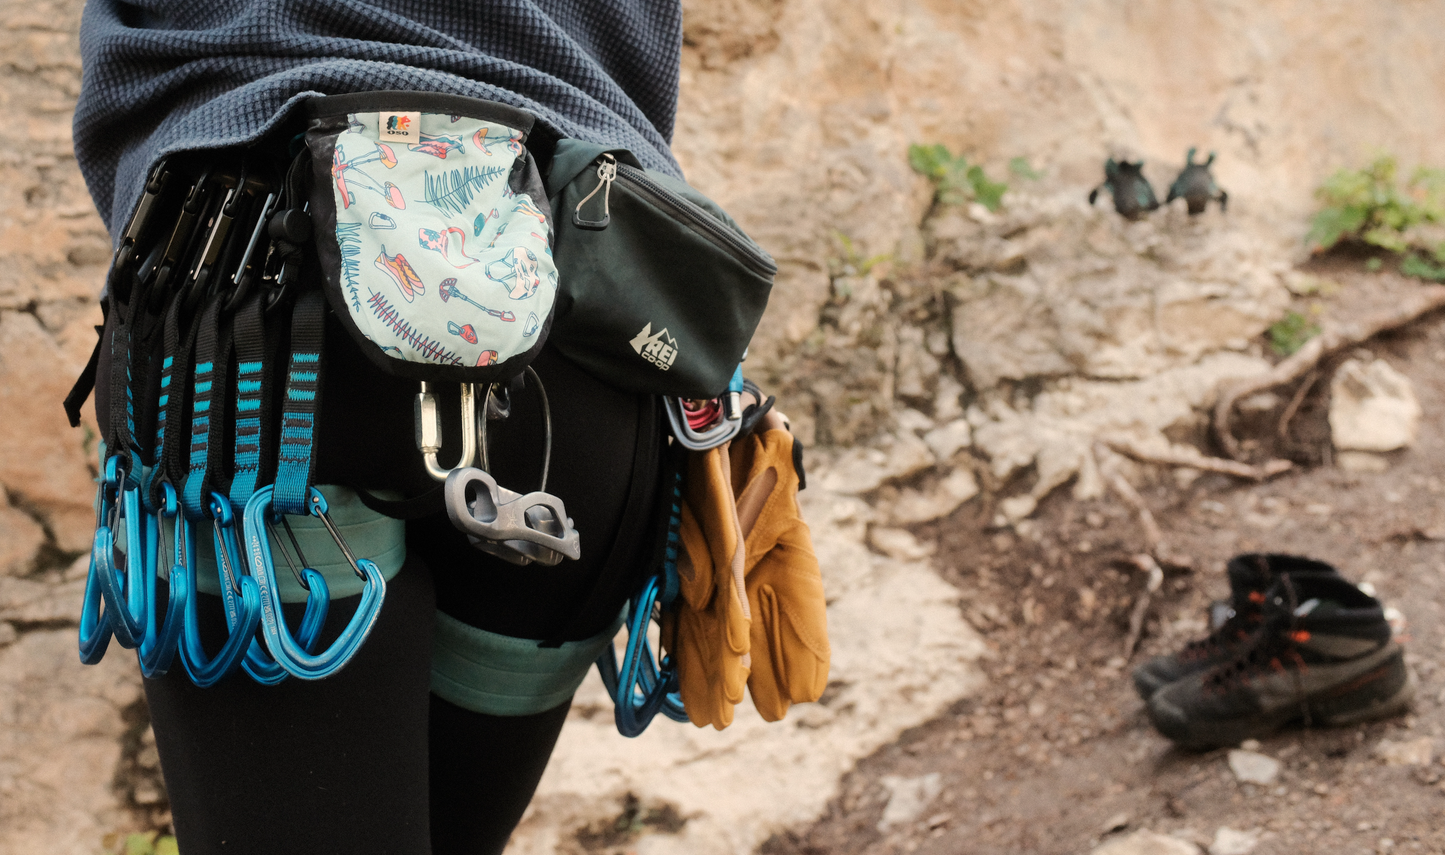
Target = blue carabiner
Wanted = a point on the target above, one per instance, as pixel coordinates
(94, 624)
(291, 655)
(257, 661)
(260, 663)
(124, 593)
(641, 687)
(158, 648)
(203, 670)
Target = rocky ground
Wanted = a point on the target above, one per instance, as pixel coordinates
(1055, 754)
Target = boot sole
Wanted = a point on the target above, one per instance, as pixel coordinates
(1391, 706)
(1351, 707)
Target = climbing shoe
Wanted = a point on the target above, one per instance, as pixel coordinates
(1323, 655)
(789, 632)
(1250, 577)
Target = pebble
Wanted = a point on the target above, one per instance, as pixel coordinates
(1228, 841)
(908, 797)
(1146, 842)
(1412, 752)
(1252, 767)
(898, 543)
(1117, 822)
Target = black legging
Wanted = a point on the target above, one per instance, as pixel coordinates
(367, 760)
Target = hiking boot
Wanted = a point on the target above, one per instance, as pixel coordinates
(1250, 576)
(1323, 655)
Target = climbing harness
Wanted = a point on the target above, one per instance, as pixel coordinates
(431, 231)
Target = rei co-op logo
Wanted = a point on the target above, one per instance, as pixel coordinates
(400, 127)
(659, 348)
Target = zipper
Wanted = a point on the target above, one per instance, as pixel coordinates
(739, 246)
(728, 240)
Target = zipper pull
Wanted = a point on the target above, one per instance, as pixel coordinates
(606, 174)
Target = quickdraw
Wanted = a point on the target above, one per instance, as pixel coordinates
(292, 494)
(182, 304)
(644, 684)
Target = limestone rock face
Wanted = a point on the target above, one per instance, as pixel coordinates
(20, 539)
(796, 115)
(1372, 407)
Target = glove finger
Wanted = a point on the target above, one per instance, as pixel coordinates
(790, 646)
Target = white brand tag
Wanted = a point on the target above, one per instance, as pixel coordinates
(399, 127)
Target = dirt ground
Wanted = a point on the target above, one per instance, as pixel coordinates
(1057, 755)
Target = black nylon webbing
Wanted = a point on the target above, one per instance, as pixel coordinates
(295, 461)
(256, 343)
(208, 407)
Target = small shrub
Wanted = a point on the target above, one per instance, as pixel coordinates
(1288, 334)
(954, 181)
(1371, 206)
(1422, 268)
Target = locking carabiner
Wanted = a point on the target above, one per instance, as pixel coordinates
(429, 430)
(158, 648)
(295, 655)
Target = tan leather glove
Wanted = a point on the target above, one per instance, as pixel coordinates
(707, 634)
(789, 631)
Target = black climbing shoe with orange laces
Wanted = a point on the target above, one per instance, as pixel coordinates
(1322, 656)
(1250, 577)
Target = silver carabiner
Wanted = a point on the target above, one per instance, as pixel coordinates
(429, 430)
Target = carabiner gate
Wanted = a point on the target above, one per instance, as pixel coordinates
(292, 654)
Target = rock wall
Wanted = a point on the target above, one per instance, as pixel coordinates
(797, 114)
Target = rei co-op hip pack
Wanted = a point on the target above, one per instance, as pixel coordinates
(660, 289)
(434, 232)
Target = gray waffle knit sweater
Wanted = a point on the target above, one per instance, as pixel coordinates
(171, 75)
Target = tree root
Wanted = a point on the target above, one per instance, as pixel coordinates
(1196, 460)
(1422, 301)
(1147, 564)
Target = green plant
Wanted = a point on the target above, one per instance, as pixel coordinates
(1288, 334)
(1370, 205)
(954, 181)
(850, 261)
(1422, 268)
(149, 843)
(1020, 166)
